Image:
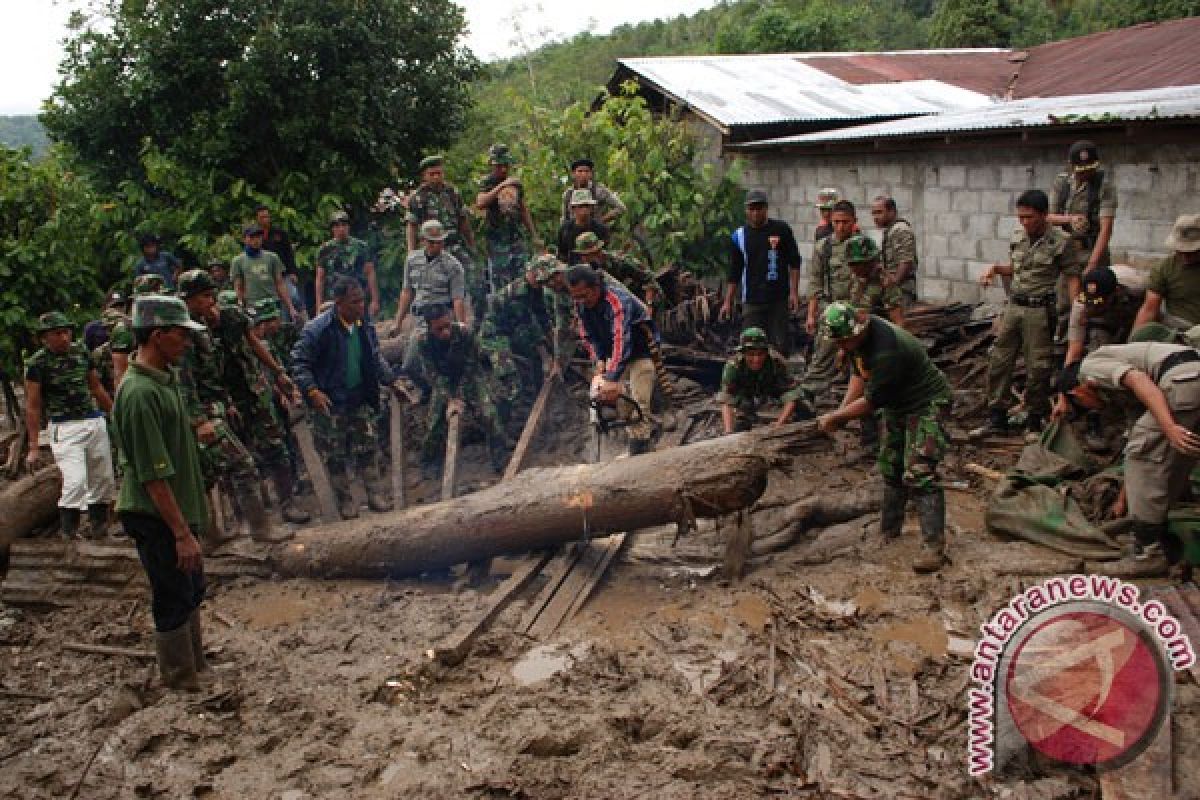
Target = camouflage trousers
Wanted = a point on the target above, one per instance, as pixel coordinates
(822, 370)
(480, 407)
(508, 380)
(348, 440)
(264, 431)
(473, 277)
(912, 447)
(1029, 331)
(228, 460)
(505, 265)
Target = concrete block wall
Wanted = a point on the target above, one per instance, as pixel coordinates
(961, 201)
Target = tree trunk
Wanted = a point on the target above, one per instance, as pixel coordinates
(28, 503)
(542, 508)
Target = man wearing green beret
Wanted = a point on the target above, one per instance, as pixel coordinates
(162, 504)
(62, 384)
(755, 376)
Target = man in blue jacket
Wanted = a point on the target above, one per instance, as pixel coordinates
(337, 366)
(616, 329)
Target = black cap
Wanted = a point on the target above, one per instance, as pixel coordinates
(1102, 279)
(148, 238)
(1083, 155)
(756, 197)
(583, 162)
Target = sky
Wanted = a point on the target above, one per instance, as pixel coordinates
(31, 44)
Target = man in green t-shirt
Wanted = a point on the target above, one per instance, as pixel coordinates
(892, 374)
(258, 273)
(162, 505)
(1175, 279)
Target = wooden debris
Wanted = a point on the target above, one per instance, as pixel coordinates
(450, 472)
(399, 456)
(29, 503)
(104, 650)
(316, 472)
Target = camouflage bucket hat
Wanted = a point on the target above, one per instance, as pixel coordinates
(227, 298)
(432, 230)
(52, 321)
(587, 243)
(148, 284)
(841, 320)
(499, 154)
(339, 217)
(753, 339)
(827, 198)
(267, 308)
(861, 249)
(545, 267)
(195, 281)
(161, 311)
(582, 197)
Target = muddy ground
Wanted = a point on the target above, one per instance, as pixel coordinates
(831, 670)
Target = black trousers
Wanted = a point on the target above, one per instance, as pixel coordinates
(174, 594)
(774, 318)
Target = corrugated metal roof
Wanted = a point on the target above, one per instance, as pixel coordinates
(984, 71)
(781, 88)
(1168, 103)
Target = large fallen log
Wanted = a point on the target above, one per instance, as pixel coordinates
(28, 503)
(542, 508)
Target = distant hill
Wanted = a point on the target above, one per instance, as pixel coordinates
(24, 131)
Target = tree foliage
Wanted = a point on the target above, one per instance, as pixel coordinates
(255, 90)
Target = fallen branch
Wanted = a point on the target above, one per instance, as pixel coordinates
(105, 650)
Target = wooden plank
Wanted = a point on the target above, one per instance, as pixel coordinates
(517, 460)
(399, 457)
(105, 650)
(454, 648)
(615, 543)
(593, 559)
(737, 549)
(1147, 777)
(556, 573)
(316, 472)
(216, 514)
(450, 473)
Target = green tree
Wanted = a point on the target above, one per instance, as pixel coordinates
(341, 91)
(971, 23)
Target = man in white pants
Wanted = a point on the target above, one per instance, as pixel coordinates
(62, 384)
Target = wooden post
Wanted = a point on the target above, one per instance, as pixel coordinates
(450, 473)
(737, 549)
(516, 461)
(399, 457)
(316, 472)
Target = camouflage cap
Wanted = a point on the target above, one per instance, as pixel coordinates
(267, 308)
(587, 243)
(148, 284)
(195, 281)
(161, 311)
(339, 217)
(545, 267)
(227, 298)
(1185, 236)
(431, 161)
(827, 198)
(432, 230)
(842, 322)
(52, 321)
(582, 197)
(861, 249)
(111, 317)
(753, 339)
(499, 154)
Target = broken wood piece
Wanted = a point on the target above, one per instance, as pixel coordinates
(29, 503)
(615, 543)
(983, 472)
(105, 650)
(316, 472)
(399, 456)
(517, 459)
(450, 471)
(737, 548)
(556, 572)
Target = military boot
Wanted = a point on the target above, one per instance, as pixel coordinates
(378, 497)
(197, 632)
(931, 509)
(347, 506)
(68, 520)
(98, 519)
(285, 487)
(891, 517)
(257, 518)
(176, 662)
(1152, 545)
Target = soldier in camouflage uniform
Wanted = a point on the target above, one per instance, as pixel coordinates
(203, 381)
(1039, 257)
(436, 199)
(755, 376)
(101, 355)
(507, 221)
(61, 384)
(448, 357)
(515, 324)
(828, 282)
(870, 287)
(629, 271)
(346, 255)
(899, 248)
(894, 376)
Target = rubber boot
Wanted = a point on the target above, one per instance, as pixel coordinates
(1153, 546)
(931, 509)
(285, 487)
(347, 507)
(68, 520)
(98, 519)
(176, 663)
(891, 518)
(198, 657)
(378, 498)
(257, 518)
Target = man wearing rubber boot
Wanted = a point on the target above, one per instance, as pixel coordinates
(161, 504)
(1163, 444)
(757, 375)
(61, 382)
(893, 374)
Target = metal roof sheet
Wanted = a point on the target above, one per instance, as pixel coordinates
(984, 71)
(780, 88)
(1148, 104)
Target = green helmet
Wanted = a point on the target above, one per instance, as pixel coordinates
(842, 322)
(195, 281)
(499, 154)
(148, 284)
(588, 242)
(267, 308)
(433, 230)
(861, 249)
(227, 298)
(111, 317)
(338, 217)
(431, 161)
(52, 321)
(1154, 332)
(753, 339)
(161, 311)
(545, 267)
